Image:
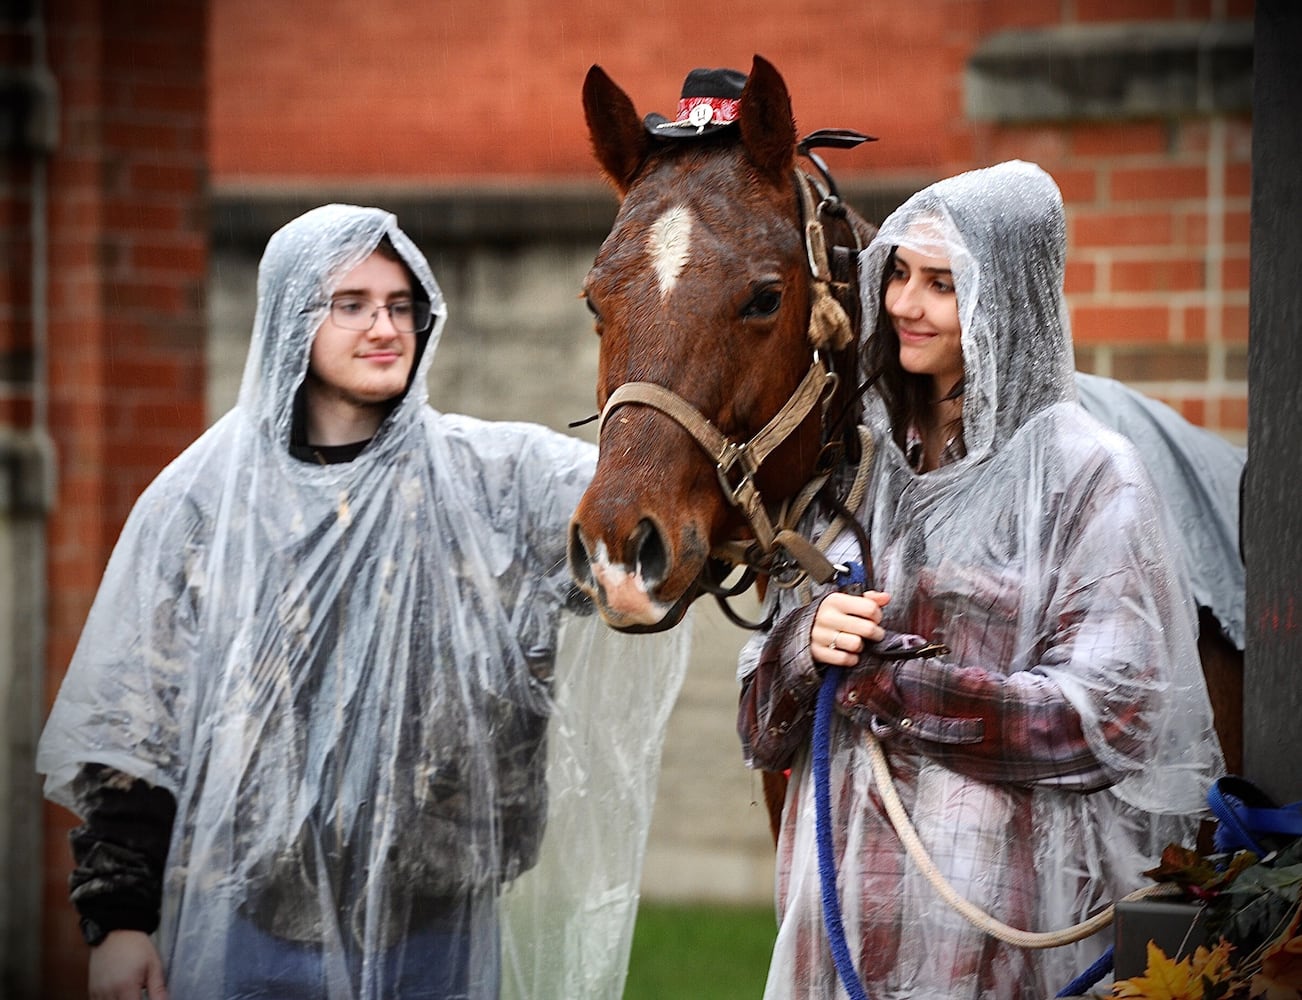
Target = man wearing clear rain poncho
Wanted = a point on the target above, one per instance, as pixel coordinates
(327, 668)
(1066, 736)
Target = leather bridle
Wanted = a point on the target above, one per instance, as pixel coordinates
(777, 545)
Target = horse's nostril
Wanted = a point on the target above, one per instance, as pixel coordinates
(580, 560)
(650, 554)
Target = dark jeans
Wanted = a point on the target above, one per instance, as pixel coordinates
(455, 959)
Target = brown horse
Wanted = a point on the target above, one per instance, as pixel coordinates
(727, 304)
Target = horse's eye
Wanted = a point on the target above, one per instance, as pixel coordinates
(596, 313)
(763, 303)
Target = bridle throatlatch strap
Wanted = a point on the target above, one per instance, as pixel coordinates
(829, 326)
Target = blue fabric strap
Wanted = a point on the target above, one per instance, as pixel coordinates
(823, 832)
(851, 577)
(1245, 813)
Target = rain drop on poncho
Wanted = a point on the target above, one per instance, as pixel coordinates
(1066, 737)
(364, 688)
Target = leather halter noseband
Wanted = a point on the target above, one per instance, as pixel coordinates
(737, 463)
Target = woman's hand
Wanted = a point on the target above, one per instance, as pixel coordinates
(844, 625)
(125, 963)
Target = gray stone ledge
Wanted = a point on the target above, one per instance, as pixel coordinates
(29, 111)
(1112, 71)
(26, 472)
(488, 215)
(246, 217)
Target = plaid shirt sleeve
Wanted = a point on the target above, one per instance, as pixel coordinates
(776, 712)
(1017, 728)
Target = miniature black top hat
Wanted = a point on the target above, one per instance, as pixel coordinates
(708, 104)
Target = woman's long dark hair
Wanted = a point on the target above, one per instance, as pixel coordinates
(908, 397)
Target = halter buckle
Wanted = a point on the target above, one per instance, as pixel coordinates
(733, 456)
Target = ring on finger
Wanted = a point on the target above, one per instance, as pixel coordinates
(832, 644)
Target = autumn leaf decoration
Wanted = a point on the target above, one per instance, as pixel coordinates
(1280, 977)
(1205, 976)
(1253, 909)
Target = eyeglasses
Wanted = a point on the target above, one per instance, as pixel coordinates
(351, 312)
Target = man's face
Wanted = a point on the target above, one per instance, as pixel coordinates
(366, 367)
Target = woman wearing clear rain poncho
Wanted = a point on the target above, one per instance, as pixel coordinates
(328, 708)
(1066, 736)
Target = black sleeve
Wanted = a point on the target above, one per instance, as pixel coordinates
(119, 852)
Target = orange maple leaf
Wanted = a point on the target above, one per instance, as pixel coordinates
(1186, 979)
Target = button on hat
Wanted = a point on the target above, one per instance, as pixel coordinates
(709, 103)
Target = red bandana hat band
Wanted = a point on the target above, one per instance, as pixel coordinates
(699, 112)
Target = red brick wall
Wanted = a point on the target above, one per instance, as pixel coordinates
(1158, 226)
(1157, 274)
(445, 93)
(127, 238)
(493, 88)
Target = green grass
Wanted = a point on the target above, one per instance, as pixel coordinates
(699, 952)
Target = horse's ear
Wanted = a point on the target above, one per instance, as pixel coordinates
(618, 140)
(768, 128)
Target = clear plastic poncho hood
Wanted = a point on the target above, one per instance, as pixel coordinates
(1038, 557)
(363, 687)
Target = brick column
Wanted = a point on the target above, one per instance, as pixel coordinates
(128, 258)
(27, 136)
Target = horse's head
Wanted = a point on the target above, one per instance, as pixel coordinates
(704, 288)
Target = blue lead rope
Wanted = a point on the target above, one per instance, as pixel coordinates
(852, 576)
(1101, 967)
(823, 831)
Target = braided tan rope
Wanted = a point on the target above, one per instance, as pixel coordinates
(858, 489)
(983, 921)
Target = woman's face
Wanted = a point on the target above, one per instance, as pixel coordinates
(920, 300)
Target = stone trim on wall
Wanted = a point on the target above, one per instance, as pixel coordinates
(1111, 71)
(26, 497)
(244, 219)
(26, 473)
(489, 215)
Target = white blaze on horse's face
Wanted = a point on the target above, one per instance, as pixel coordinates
(669, 242)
